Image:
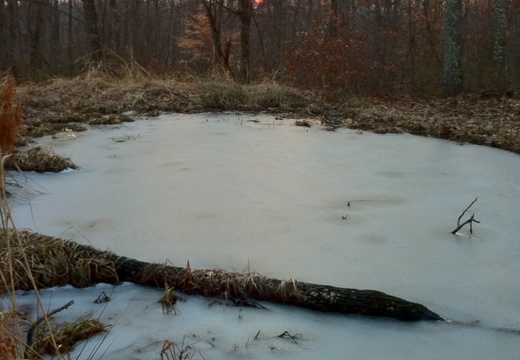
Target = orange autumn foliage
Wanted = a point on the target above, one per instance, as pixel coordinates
(10, 113)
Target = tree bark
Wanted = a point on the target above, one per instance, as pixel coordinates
(108, 267)
(55, 34)
(70, 40)
(3, 40)
(37, 34)
(245, 9)
(213, 9)
(333, 19)
(453, 80)
(500, 42)
(13, 38)
(91, 21)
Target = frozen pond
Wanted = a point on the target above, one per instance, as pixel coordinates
(223, 191)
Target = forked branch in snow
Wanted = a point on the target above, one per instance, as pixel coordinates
(470, 221)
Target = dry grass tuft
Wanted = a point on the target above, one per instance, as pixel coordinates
(51, 263)
(281, 97)
(27, 266)
(39, 159)
(55, 261)
(223, 96)
(68, 335)
(10, 113)
(168, 299)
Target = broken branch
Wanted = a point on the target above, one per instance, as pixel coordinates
(470, 221)
(30, 333)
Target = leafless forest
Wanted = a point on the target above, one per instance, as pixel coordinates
(353, 46)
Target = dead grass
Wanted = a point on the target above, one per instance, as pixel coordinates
(52, 263)
(39, 159)
(471, 119)
(100, 96)
(93, 97)
(67, 336)
(275, 96)
(55, 262)
(26, 266)
(223, 96)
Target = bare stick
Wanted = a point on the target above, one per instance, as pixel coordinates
(461, 215)
(30, 333)
(470, 221)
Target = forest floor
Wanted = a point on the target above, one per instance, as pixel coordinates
(93, 99)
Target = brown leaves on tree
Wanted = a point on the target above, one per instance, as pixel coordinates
(329, 62)
(10, 113)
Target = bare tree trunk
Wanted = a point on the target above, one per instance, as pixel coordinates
(55, 46)
(115, 26)
(3, 40)
(211, 8)
(13, 38)
(245, 9)
(91, 22)
(135, 26)
(70, 64)
(37, 34)
(411, 46)
(333, 19)
(453, 79)
(500, 42)
(277, 34)
(171, 45)
(431, 36)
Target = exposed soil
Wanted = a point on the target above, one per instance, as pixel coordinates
(77, 104)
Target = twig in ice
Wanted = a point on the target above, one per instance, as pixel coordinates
(30, 333)
(470, 221)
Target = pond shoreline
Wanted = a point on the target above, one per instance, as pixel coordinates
(74, 104)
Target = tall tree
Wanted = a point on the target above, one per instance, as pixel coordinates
(245, 12)
(213, 10)
(37, 34)
(13, 48)
(91, 22)
(453, 78)
(333, 18)
(3, 40)
(55, 31)
(500, 42)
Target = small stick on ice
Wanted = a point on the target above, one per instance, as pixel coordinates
(470, 221)
(32, 329)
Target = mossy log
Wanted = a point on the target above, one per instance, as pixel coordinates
(56, 262)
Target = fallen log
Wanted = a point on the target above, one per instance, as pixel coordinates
(55, 262)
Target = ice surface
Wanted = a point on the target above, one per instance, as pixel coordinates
(225, 192)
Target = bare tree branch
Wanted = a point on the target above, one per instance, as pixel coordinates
(470, 221)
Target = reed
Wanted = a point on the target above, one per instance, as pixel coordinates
(10, 113)
(30, 265)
